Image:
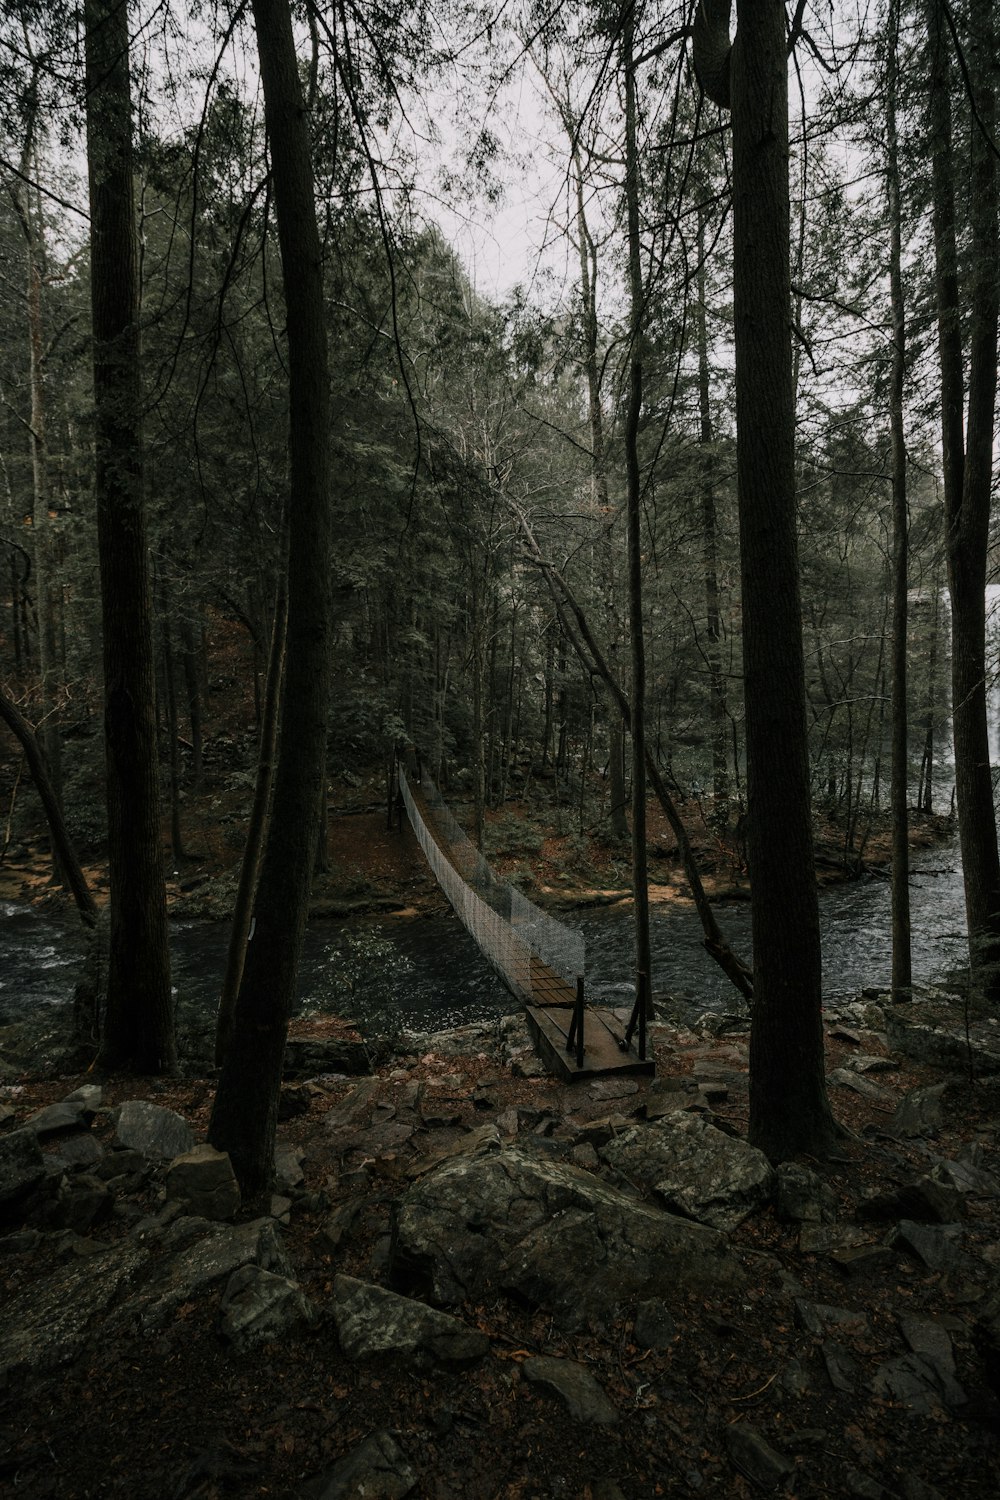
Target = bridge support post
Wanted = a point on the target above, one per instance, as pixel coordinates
(638, 1017)
(575, 1038)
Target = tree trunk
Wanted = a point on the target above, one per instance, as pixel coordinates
(244, 1114)
(633, 501)
(926, 799)
(968, 459)
(789, 1110)
(616, 776)
(30, 221)
(713, 624)
(173, 736)
(189, 659)
(139, 1026)
(246, 891)
(902, 976)
(598, 465)
(62, 844)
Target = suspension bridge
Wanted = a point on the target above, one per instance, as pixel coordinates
(541, 960)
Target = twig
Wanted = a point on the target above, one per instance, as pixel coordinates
(759, 1391)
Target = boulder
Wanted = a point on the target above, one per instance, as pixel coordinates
(22, 1165)
(919, 1036)
(694, 1168)
(932, 1343)
(824, 1239)
(310, 1057)
(157, 1133)
(258, 1307)
(937, 1246)
(752, 1455)
(90, 1096)
(858, 1083)
(817, 1317)
(376, 1470)
(843, 1370)
(579, 1392)
(966, 1175)
(549, 1232)
(918, 1113)
(58, 1119)
(862, 1260)
(914, 1382)
(801, 1197)
(75, 1152)
(80, 1202)
(202, 1255)
(926, 1201)
(375, 1323)
(47, 1323)
(203, 1181)
(288, 1172)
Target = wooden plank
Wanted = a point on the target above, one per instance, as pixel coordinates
(549, 1026)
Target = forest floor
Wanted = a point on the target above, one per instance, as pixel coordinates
(177, 1417)
(806, 1355)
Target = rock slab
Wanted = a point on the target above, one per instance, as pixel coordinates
(695, 1169)
(579, 1392)
(547, 1231)
(373, 1322)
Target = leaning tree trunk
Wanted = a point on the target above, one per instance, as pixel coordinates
(789, 1109)
(593, 660)
(244, 1114)
(139, 1026)
(246, 890)
(62, 843)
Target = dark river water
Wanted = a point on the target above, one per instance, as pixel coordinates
(427, 974)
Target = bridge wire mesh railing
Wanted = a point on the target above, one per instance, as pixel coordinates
(508, 927)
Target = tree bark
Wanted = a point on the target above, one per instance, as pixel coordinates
(713, 623)
(244, 1114)
(30, 221)
(789, 1109)
(139, 1026)
(633, 505)
(193, 694)
(598, 465)
(62, 844)
(902, 975)
(246, 890)
(967, 450)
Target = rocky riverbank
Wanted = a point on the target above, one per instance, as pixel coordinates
(475, 1281)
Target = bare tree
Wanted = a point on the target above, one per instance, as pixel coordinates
(789, 1109)
(244, 1114)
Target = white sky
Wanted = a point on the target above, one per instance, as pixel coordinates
(514, 240)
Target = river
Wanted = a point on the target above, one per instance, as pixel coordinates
(427, 974)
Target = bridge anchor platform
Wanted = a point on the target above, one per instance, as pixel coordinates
(575, 1040)
(550, 1027)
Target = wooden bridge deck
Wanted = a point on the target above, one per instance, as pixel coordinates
(549, 1009)
(550, 1016)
